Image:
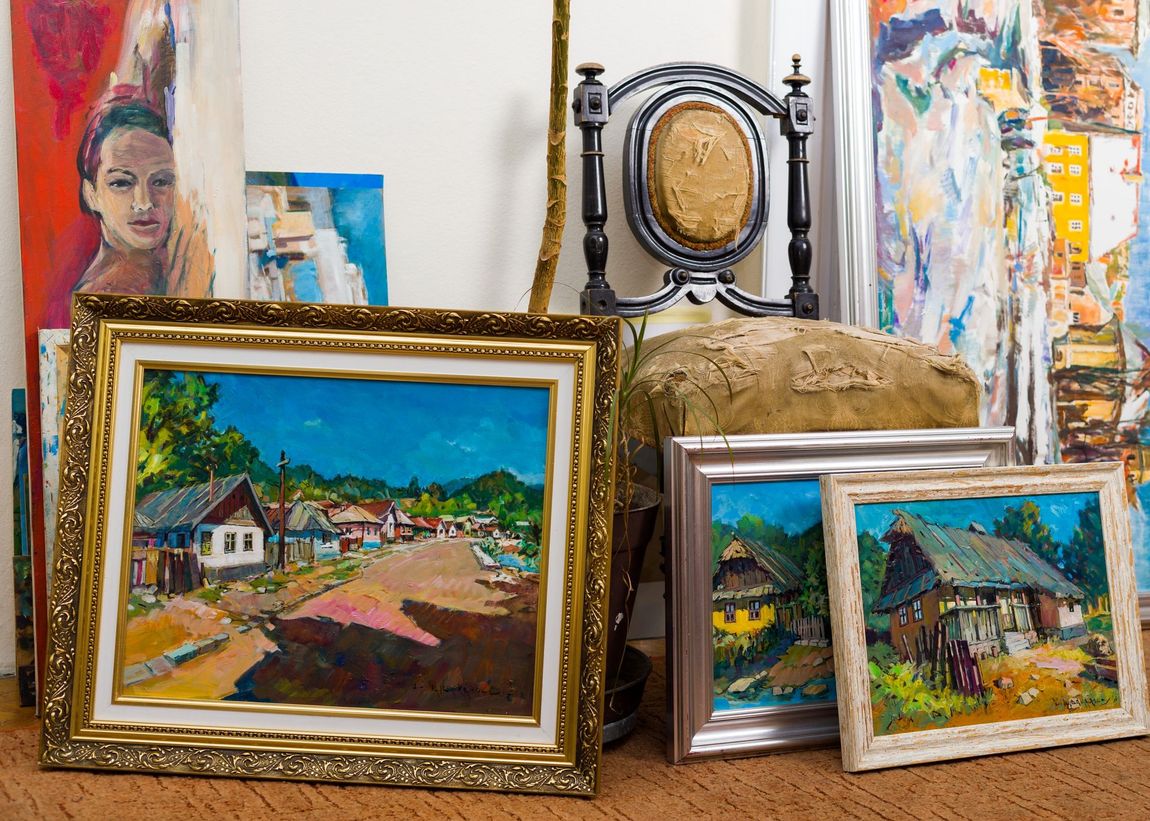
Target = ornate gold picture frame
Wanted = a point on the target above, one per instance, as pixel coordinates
(248, 583)
(978, 612)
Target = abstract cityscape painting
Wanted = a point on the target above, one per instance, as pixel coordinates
(1011, 214)
(129, 123)
(984, 610)
(283, 552)
(316, 238)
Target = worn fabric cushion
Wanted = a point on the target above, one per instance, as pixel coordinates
(791, 376)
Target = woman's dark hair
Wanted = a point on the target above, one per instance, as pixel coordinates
(114, 115)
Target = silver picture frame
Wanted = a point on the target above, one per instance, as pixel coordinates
(694, 465)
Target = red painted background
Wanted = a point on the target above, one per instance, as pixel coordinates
(63, 52)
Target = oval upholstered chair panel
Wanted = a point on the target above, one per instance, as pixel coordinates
(700, 175)
(792, 376)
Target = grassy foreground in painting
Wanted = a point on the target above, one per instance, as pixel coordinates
(770, 629)
(383, 592)
(986, 610)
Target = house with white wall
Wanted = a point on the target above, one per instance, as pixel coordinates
(222, 522)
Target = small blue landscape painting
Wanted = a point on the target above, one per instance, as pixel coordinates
(770, 622)
(316, 238)
(337, 542)
(981, 610)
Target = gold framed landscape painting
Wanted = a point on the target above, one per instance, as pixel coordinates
(982, 611)
(338, 543)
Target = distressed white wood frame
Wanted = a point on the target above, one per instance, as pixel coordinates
(861, 749)
(694, 465)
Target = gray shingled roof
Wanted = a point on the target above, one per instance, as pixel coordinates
(303, 517)
(183, 508)
(969, 558)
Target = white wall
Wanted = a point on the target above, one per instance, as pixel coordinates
(449, 101)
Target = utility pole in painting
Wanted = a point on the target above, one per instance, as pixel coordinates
(282, 465)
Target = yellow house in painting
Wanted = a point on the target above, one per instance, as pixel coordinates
(754, 587)
(1066, 165)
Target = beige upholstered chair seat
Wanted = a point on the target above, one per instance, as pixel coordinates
(789, 376)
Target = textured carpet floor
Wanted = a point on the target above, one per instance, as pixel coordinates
(1096, 781)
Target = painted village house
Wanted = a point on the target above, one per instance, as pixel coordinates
(216, 530)
(996, 594)
(439, 528)
(422, 528)
(307, 528)
(395, 524)
(357, 527)
(754, 587)
(454, 528)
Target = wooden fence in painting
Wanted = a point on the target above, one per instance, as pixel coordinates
(169, 570)
(810, 628)
(948, 662)
(964, 668)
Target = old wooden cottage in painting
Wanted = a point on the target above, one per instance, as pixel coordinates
(754, 587)
(997, 594)
(218, 528)
(306, 529)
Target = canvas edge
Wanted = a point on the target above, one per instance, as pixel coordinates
(59, 746)
(854, 156)
(689, 719)
(861, 750)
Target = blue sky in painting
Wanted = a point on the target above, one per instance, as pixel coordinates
(793, 505)
(357, 212)
(1059, 512)
(389, 430)
(358, 215)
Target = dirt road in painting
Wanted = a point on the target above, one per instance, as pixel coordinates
(447, 574)
(428, 629)
(418, 628)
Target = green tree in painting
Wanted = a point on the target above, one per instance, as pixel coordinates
(178, 443)
(1024, 524)
(1085, 557)
(872, 570)
(1081, 561)
(175, 419)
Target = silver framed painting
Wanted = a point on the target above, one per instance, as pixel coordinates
(988, 205)
(749, 662)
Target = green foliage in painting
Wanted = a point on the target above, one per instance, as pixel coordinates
(903, 695)
(734, 650)
(872, 570)
(1082, 560)
(1024, 524)
(1085, 563)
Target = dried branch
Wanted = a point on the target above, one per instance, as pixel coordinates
(544, 280)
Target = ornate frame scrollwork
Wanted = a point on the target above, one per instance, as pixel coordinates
(71, 737)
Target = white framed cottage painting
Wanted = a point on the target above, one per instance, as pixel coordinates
(993, 204)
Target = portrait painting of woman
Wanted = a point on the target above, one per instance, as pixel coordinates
(128, 181)
(130, 153)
